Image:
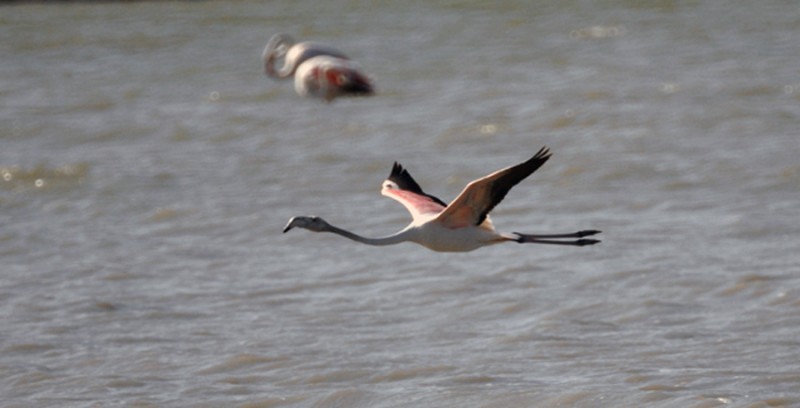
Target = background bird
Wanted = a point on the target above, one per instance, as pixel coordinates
(328, 78)
(318, 70)
(464, 224)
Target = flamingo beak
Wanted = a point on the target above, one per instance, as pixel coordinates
(359, 85)
(349, 82)
(288, 226)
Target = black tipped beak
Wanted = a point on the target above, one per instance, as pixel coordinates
(288, 226)
(360, 86)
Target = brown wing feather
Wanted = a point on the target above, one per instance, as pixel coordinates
(481, 196)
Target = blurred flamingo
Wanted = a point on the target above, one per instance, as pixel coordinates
(328, 77)
(318, 70)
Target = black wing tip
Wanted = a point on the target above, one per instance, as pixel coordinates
(397, 169)
(401, 176)
(404, 181)
(543, 153)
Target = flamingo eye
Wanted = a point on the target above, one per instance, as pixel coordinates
(341, 79)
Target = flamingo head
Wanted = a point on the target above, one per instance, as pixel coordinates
(343, 81)
(311, 223)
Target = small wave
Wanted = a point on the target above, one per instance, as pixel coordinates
(787, 178)
(273, 402)
(411, 373)
(337, 376)
(239, 362)
(42, 177)
(28, 348)
(345, 398)
(755, 284)
(598, 32)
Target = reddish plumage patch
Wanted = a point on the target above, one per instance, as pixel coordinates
(420, 204)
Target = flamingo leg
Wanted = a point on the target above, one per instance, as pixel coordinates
(553, 238)
(579, 234)
(527, 239)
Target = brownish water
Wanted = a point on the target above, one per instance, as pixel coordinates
(147, 167)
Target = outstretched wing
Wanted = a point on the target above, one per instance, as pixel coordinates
(403, 188)
(405, 182)
(479, 197)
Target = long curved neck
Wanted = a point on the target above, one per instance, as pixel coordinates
(401, 236)
(272, 53)
(286, 71)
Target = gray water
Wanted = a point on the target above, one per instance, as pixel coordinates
(147, 167)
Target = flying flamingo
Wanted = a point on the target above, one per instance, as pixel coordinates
(329, 77)
(461, 226)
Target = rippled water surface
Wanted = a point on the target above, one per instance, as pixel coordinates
(147, 167)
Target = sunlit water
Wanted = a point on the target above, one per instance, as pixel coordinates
(147, 167)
